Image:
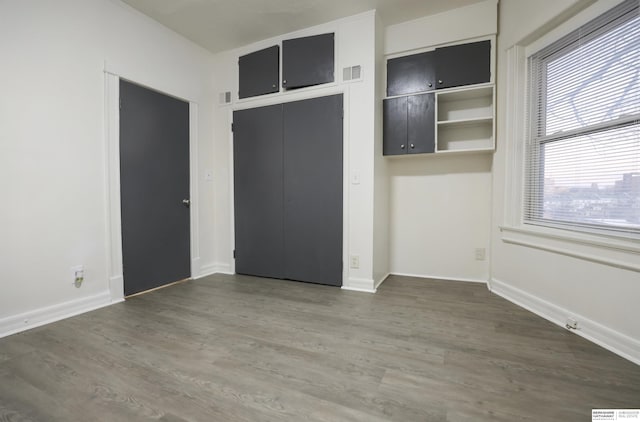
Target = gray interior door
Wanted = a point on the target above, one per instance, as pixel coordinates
(258, 188)
(313, 190)
(154, 188)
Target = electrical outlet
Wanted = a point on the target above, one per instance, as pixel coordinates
(481, 254)
(354, 261)
(572, 323)
(77, 273)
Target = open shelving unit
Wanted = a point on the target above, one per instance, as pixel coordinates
(465, 119)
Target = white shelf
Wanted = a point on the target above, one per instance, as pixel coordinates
(465, 104)
(463, 122)
(466, 136)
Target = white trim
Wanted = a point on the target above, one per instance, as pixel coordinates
(438, 277)
(112, 179)
(116, 287)
(571, 25)
(359, 285)
(31, 319)
(616, 255)
(214, 268)
(515, 125)
(380, 281)
(614, 341)
(577, 238)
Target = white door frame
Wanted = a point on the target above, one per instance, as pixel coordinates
(112, 180)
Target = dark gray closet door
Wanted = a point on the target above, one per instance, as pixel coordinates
(154, 182)
(258, 191)
(313, 190)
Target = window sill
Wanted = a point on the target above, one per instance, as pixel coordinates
(614, 252)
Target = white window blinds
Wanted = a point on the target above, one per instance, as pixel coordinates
(583, 151)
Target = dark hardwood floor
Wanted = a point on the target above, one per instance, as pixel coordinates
(235, 348)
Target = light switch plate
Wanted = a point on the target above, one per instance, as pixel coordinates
(355, 177)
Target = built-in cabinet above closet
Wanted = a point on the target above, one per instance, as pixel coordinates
(259, 72)
(306, 61)
(440, 101)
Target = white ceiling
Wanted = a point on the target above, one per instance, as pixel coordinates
(219, 25)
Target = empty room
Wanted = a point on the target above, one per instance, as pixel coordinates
(338, 210)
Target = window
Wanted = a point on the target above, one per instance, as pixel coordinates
(583, 150)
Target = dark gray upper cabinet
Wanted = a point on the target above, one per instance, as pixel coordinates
(259, 72)
(409, 124)
(308, 61)
(411, 74)
(463, 64)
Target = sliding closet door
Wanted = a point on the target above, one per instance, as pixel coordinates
(258, 173)
(313, 190)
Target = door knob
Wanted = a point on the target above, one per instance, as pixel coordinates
(402, 146)
(186, 202)
(412, 146)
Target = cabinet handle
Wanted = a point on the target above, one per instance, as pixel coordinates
(273, 86)
(402, 146)
(439, 81)
(412, 146)
(284, 82)
(430, 84)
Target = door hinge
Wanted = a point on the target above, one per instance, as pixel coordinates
(234, 254)
(232, 127)
(120, 102)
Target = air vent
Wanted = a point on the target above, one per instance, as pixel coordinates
(224, 98)
(352, 73)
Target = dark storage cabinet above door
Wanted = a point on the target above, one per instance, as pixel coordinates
(308, 61)
(259, 72)
(411, 74)
(409, 125)
(464, 64)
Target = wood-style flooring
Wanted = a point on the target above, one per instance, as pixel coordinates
(235, 348)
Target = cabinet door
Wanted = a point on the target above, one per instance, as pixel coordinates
(395, 126)
(463, 64)
(259, 72)
(308, 61)
(258, 191)
(421, 123)
(410, 74)
(313, 190)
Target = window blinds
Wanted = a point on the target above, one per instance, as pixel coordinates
(583, 151)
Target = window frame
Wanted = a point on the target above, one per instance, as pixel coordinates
(536, 58)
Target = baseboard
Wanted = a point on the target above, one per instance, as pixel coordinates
(439, 277)
(618, 343)
(32, 319)
(359, 285)
(116, 286)
(380, 281)
(214, 268)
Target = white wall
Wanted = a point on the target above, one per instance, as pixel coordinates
(52, 144)
(355, 45)
(602, 297)
(440, 206)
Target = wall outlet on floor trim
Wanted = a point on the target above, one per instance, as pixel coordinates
(354, 261)
(481, 254)
(572, 323)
